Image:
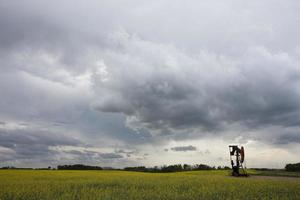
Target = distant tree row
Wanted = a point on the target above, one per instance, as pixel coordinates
(78, 167)
(12, 167)
(293, 167)
(164, 168)
(174, 168)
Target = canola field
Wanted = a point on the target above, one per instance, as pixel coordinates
(121, 185)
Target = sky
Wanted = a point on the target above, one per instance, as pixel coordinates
(136, 82)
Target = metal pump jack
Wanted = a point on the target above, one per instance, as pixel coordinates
(237, 157)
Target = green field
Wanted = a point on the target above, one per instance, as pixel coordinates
(110, 185)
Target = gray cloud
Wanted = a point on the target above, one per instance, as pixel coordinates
(128, 152)
(23, 145)
(175, 92)
(88, 155)
(13, 138)
(184, 148)
(117, 76)
(110, 155)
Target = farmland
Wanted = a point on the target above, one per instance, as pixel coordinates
(121, 185)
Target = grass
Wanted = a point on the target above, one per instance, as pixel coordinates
(112, 185)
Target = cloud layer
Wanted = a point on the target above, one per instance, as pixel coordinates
(114, 83)
(165, 90)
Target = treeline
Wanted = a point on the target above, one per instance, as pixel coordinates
(12, 167)
(60, 167)
(174, 168)
(78, 167)
(164, 168)
(293, 167)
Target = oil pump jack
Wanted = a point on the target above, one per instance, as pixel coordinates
(237, 157)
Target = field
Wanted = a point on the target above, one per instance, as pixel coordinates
(111, 185)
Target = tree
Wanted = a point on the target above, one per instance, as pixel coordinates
(293, 167)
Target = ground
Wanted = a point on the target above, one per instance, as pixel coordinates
(120, 185)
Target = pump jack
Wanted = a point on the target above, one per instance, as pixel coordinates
(237, 157)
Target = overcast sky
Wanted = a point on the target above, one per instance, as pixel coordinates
(134, 82)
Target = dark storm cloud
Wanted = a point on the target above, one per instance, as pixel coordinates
(50, 148)
(31, 144)
(184, 148)
(176, 92)
(12, 138)
(289, 136)
(118, 75)
(161, 89)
